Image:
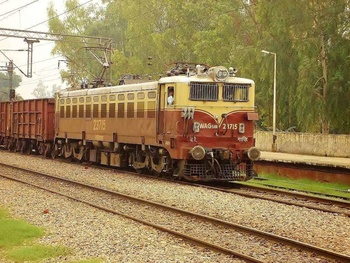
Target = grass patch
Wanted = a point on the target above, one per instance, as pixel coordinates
(36, 252)
(14, 234)
(334, 189)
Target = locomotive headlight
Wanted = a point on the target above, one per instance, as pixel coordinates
(253, 153)
(197, 152)
(241, 128)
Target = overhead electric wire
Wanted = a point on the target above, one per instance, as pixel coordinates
(63, 13)
(19, 8)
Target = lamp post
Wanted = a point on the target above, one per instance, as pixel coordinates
(274, 136)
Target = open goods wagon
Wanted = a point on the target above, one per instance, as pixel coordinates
(27, 125)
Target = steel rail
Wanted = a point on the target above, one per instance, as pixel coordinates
(192, 239)
(294, 243)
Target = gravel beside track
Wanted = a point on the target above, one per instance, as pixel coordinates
(91, 233)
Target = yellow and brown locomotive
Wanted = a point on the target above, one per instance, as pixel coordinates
(195, 123)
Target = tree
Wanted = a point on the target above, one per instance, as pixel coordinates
(5, 85)
(42, 91)
(311, 40)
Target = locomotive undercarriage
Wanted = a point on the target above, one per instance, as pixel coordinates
(141, 158)
(144, 159)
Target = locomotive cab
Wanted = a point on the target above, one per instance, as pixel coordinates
(208, 126)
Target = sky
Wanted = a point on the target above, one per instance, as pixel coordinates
(31, 15)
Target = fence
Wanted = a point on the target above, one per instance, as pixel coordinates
(333, 145)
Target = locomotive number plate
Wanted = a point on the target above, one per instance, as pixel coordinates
(99, 125)
(230, 126)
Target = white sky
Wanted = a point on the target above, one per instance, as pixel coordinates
(45, 66)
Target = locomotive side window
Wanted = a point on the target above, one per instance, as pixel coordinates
(62, 112)
(204, 91)
(81, 111)
(120, 110)
(67, 111)
(131, 96)
(140, 95)
(140, 109)
(151, 94)
(235, 92)
(95, 111)
(74, 111)
(103, 110)
(112, 110)
(130, 110)
(88, 111)
(171, 97)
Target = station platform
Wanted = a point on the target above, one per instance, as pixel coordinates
(335, 162)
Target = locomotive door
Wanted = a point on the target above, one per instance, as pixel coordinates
(161, 113)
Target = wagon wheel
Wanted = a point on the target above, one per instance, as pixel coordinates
(10, 145)
(47, 149)
(23, 146)
(18, 146)
(29, 148)
(41, 148)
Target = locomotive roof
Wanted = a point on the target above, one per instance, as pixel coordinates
(109, 90)
(150, 85)
(204, 78)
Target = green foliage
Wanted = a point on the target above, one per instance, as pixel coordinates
(310, 38)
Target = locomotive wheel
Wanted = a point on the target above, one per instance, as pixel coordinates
(67, 151)
(139, 166)
(155, 173)
(79, 155)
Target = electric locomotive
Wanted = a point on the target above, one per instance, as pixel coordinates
(196, 123)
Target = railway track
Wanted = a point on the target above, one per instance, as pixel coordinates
(225, 237)
(287, 197)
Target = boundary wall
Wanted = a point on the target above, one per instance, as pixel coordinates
(332, 145)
